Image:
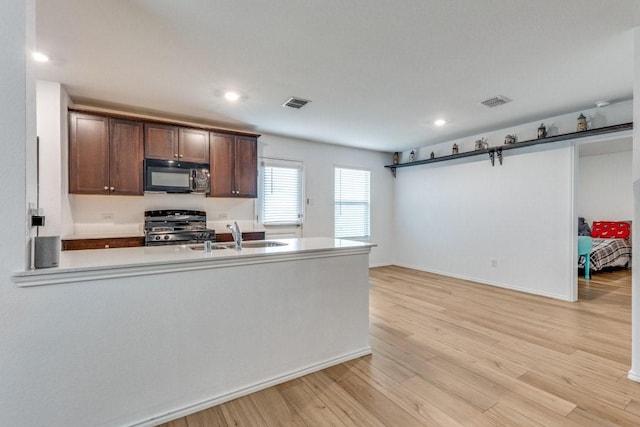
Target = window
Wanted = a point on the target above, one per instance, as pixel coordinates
(352, 203)
(281, 189)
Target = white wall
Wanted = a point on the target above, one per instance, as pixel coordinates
(17, 121)
(454, 219)
(52, 102)
(605, 189)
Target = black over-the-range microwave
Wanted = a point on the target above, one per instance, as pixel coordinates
(169, 176)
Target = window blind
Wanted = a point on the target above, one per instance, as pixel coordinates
(352, 203)
(281, 192)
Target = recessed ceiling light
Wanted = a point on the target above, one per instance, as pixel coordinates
(39, 57)
(231, 96)
(440, 122)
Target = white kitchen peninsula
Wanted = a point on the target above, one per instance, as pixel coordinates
(160, 332)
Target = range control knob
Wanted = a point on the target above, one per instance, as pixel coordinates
(157, 238)
(166, 237)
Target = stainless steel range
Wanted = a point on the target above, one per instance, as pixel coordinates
(176, 227)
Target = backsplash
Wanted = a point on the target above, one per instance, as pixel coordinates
(91, 214)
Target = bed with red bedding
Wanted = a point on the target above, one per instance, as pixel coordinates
(611, 245)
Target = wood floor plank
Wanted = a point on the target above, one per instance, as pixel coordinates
(506, 415)
(449, 352)
(241, 412)
(350, 411)
(310, 407)
(634, 406)
(212, 417)
(417, 405)
(180, 422)
(584, 398)
(275, 409)
(587, 419)
(459, 409)
(376, 402)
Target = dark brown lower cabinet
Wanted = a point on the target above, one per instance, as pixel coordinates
(129, 242)
(103, 243)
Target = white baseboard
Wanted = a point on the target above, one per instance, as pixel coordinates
(380, 264)
(489, 282)
(217, 400)
(633, 376)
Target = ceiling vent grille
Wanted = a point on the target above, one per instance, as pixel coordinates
(296, 103)
(495, 101)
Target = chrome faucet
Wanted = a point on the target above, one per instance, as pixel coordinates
(237, 234)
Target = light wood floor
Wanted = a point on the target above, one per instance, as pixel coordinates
(448, 352)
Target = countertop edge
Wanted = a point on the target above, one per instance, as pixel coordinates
(71, 275)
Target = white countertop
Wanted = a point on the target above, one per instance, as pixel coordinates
(92, 264)
(109, 230)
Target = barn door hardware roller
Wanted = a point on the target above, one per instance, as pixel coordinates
(493, 153)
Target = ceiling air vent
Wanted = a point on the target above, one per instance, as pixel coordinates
(296, 103)
(495, 101)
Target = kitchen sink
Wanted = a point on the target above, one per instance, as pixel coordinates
(214, 246)
(247, 244)
(262, 244)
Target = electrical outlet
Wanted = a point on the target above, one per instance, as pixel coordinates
(223, 215)
(494, 262)
(107, 216)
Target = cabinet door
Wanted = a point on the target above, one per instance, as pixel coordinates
(126, 157)
(88, 154)
(246, 167)
(194, 145)
(160, 141)
(222, 165)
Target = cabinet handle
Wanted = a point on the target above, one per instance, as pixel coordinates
(106, 246)
(106, 188)
(113, 188)
(180, 156)
(175, 155)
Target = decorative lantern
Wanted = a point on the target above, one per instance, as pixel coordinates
(432, 155)
(396, 158)
(481, 144)
(542, 131)
(454, 150)
(412, 156)
(582, 123)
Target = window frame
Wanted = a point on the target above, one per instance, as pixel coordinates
(368, 203)
(265, 162)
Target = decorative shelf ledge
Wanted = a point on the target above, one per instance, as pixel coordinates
(497, 150)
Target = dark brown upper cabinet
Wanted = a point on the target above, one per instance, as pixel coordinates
(234, 165)
(105, 155)
(168, 142)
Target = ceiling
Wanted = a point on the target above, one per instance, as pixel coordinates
(378, 72)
